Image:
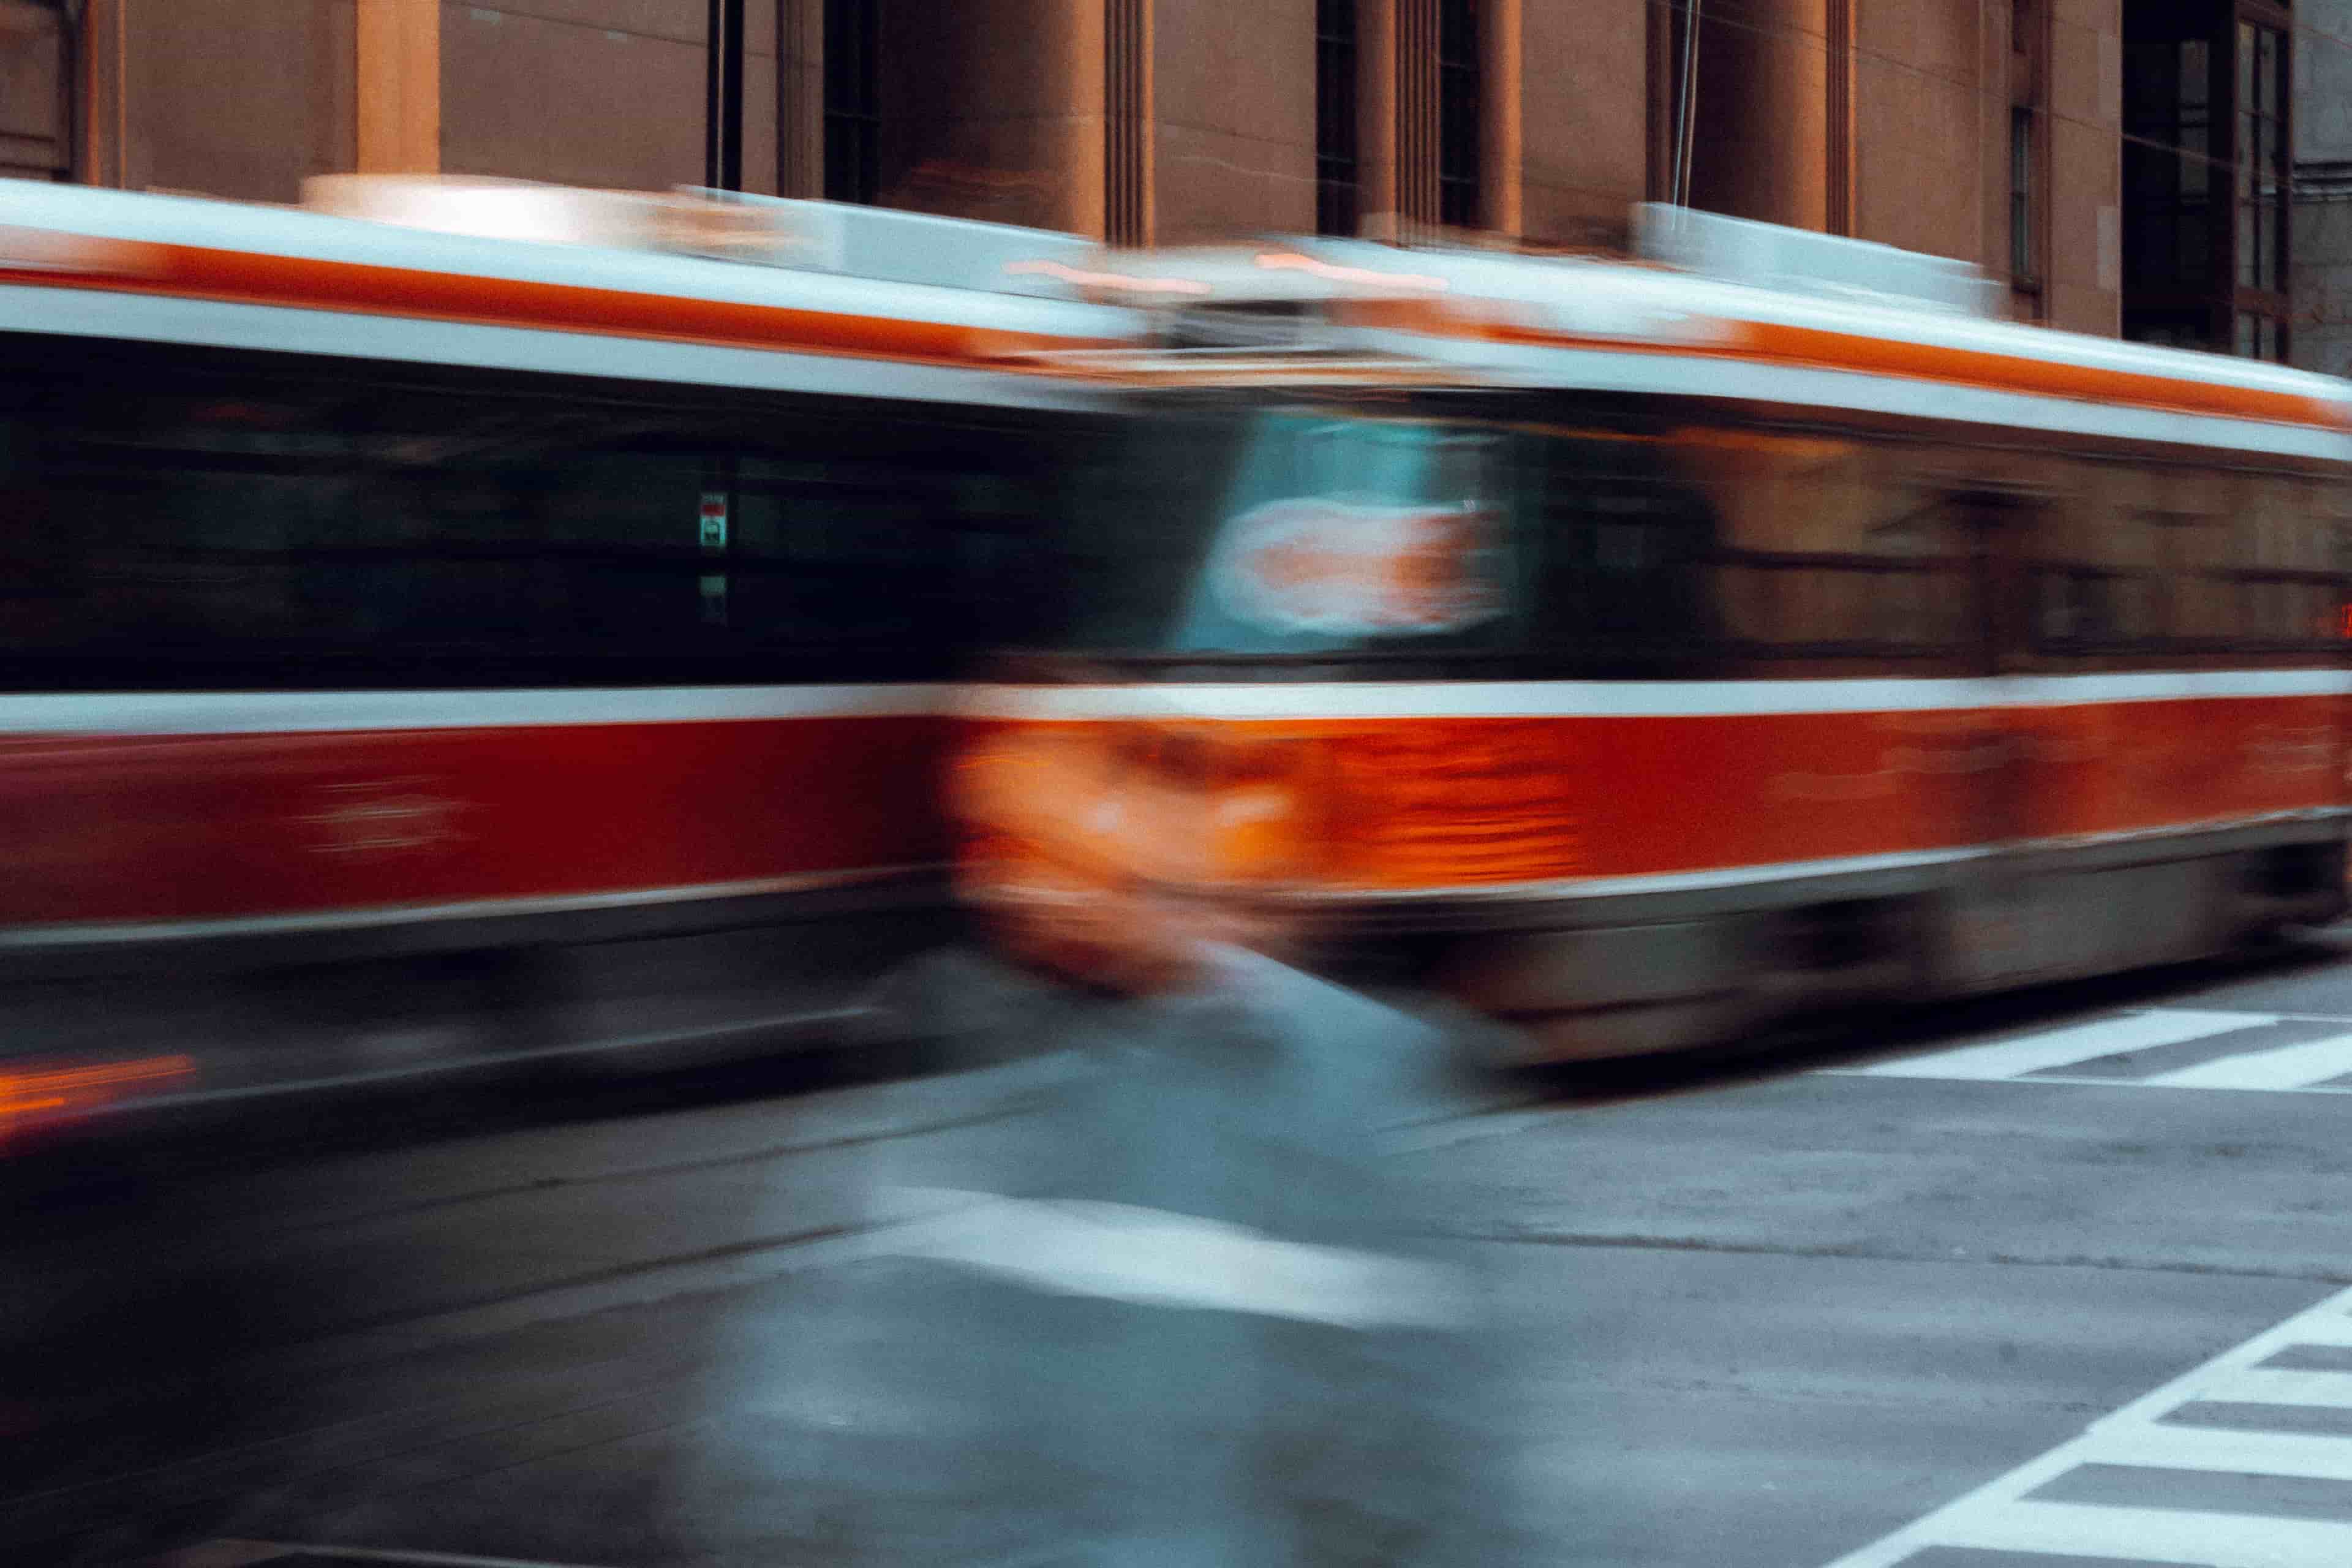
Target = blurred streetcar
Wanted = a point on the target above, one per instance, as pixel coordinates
(469, 621)
(1640, 650)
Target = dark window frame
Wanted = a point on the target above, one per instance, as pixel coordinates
(2258, 244)
(265, 521)
(2021, 191)
(1461, 194)
(2207, 219)
(1338, 174)
(852, 101)
(1976, 577)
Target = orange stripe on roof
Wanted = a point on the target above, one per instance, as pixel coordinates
(2039, 377)
(1822, 348)
(361, 287)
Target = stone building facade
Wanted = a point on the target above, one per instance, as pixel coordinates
(2322, 261)
(1992, 131)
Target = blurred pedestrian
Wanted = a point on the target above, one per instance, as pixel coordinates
(1183, 1312)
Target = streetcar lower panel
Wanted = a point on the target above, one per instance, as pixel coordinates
(1627, 982)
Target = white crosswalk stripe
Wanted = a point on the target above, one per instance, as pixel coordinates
(2158, 1049)
(2263, 1385)
(2062, 1047)
(2283, 1067)
(2146, 1447)
(2159, 1535)
(2158, 1483)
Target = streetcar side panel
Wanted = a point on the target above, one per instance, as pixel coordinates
(370, 716)
(1760, 712)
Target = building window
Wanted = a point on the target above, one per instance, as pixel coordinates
(2207, 175)
(2262, 159)
(1458, 195)
(2169, 166)
(2259, 337)
(853, 102)
(2020, 26)
(1335, 117)
(2021, 195)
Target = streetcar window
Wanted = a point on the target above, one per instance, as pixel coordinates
(1622, 541)
(1352, 534)
(1288, 533)
(172, 517)
(1830, 545)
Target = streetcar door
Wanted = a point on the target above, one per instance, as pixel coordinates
(2001, 527)
(2001, 929)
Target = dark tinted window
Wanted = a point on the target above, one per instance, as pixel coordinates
(186, 519)
(1460, 200)
(1336, 172)
(852, 101)
(1296, 532)
(1316, 535)
(1623, 541)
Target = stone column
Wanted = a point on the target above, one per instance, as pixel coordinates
(1500, 150)
(1761, 147)
(1126, 122)
(800, 98)
(1415, 36)
(399, 55)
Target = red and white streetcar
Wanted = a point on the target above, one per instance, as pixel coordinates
(458, 620)
(1639, 649)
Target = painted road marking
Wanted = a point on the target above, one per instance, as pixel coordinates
(2260, 1385)
(2302, 1066)
(2159, 1048)
(1972, 1557)
(2318, 1420)
(2154, 1535)
(2062, 1047)
(2165, 1483)
(2154, 1060)
(1158, 1258)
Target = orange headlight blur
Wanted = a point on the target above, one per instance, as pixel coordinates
(1100, 848)
(36, 1094)
(1193, 805)
(1262, 810)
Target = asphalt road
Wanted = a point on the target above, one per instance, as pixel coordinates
(2043, 1283)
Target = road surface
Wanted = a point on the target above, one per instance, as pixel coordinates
(2051, 1282)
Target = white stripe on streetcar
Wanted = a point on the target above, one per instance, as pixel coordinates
(2282, 1067)
(1828, 387)
(290, 712)
(2063, 1047)
(1627, 698)
(78, 210)
(552, 351)
(1598, 299)
(233, 712)
(649, 274)
(1155, 1258)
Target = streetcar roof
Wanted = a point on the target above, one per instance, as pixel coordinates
(60, 237)
(1612, 324)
